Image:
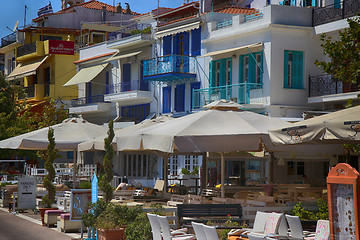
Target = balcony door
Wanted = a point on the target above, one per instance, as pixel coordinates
(181, 52)
(126, 77)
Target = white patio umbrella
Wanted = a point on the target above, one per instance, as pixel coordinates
(98, 142)
(68, 135)
(338, 127)
(205, 131)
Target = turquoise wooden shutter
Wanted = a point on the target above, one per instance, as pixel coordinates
(314, 3)
(252, 67)
(293, 3)
(166, 99)
(262, 67)
(212, 73)
(286, 72)
(222, 72)
(297, 69)
(241, 69)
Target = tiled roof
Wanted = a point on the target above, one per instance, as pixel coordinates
(155, 11)
(237, 10)
(93, 4)
(178, 8)
(178, 20)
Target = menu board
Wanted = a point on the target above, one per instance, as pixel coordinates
(343, 211)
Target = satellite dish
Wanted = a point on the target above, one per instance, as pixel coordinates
(16, 25)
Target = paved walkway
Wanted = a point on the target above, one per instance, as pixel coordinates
(16, 226)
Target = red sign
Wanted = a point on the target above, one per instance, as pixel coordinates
(61, 47)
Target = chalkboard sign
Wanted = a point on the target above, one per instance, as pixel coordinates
(80, 202)
(27, 193)
(343, 196)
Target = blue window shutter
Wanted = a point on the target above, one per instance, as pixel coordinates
(337, 3)
(193, 86)
(212, 73)
(286, 72)
(166, 45)
(89, 93)
(126, 77)
(107, 83)
(196, 42)
(176, 44)
(186, 44)
(314, 3)
(180, 98)
(297, 69)
(293, 3)
(241, 69)
(167, 99)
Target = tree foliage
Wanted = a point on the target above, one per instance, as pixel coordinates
(343, 53)
(49, 155)
(106, 178)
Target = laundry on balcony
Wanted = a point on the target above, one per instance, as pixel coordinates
(26, 69)
(85, 75)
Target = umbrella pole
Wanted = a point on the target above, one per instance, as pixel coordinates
(74, 169)
(204, 172)
(166, 163)
(222, 175)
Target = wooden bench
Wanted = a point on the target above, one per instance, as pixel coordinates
(208, 212)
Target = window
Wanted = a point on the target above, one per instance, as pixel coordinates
(188, 162)
(295, 168)
(293, 69)
(228, 72)
(196, 42)
(180, 98)
(220, 72)
(138, 165)
(173, 165)
(246, 69)
(191, 162)
(167, 99)
(251, 68)
(167, 45)
(136, 113)
(217, 74)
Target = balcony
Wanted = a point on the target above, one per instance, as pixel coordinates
(9, 39)
(170, 68)
(34, 49)
(129, 93)
(89, 105)
(38, 92)
(335, 12)
(327, 88)
(242, 93)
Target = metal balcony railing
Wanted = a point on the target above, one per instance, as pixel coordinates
(322, 85)
(9, 39)
(26, 49)
(141, 85)
(87, 100)
(169, 64)
(334, 12)
(242, 93)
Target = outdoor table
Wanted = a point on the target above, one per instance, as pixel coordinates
(295, 191)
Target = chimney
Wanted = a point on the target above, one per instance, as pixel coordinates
(103, 14)
(118, 8)
(207, 5)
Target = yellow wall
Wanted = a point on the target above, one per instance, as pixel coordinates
(64, 69)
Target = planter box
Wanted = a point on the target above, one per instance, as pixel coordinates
(111, 234)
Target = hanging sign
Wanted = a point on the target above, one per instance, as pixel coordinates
(61, 47)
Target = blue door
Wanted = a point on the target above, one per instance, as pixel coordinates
(167, 99)
(88, 93)
(107, 87)
(195, 100)
(180, 98)
(126, 76)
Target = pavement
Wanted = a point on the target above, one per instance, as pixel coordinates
(32, 224)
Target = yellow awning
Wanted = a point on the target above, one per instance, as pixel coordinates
(231, 50)
(121, 56)
(25, 69)
(86, 74)
(179, 29)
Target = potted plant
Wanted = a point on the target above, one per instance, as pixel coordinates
(110, 220)
(50, 154)
(186, 174)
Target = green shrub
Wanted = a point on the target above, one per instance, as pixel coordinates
(139, 229)
(85, 185)
(304, 214)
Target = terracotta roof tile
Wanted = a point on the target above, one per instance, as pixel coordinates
(178, 20)
(237, 10)
(155, 11)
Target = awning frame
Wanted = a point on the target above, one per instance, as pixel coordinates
(33, 66)
(96, 70)
(178, 29)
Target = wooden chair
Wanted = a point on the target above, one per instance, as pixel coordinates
(176, 199)
(195, 199)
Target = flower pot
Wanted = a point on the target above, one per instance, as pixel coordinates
(42, 213)
(111, 234)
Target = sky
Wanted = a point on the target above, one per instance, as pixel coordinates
(14, 10)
